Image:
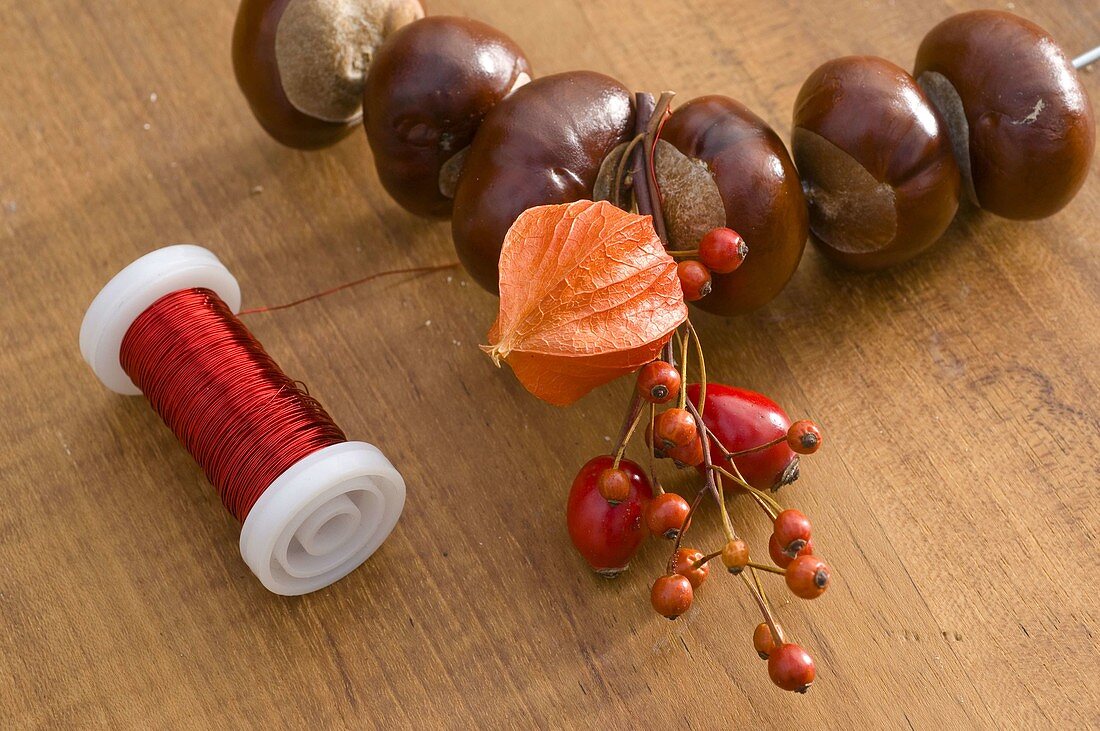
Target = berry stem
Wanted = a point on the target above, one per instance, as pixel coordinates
(652, 447)
(683, 343)
(633, 415)
(683, 528)
(702, 370)
(703, 559)
(772, 507)
(685, 253)
(757, 592)
(766, 567)
(759, 447)
(708, 471)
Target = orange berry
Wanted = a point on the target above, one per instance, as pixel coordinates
(722, 250)
(614, 485)
(665, 514)
(675, 428)
(684, 564)
(791, 668)
(735, 555)
(658, 382)
(804, 437)
(763, 641)
(671, 595)
(694, 280)
(808, 577)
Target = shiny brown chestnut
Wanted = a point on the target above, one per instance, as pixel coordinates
(1019, 118)
(301, 63)
(737, 173)
(428, 89)
(876, 163)
(542, 145)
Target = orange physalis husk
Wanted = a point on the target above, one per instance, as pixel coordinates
(587, 294)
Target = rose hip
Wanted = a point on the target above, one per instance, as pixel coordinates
(791, 668)
(683, 564)
(690, 455)
(658, 382)
(791, 531)
(808, 577)
(804, 436)
(671, 595)
(694, 280)
(606, 535)
(675, 428)
(722, 250)
(665, 515)
(742, 420)
(781, 559)
(735, 556)
(763, 641)
(614, 485)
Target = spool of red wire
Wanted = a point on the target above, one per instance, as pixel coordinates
(314, 505)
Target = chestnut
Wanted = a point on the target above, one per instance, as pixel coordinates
(428, 89)
(727, 167)
(301, 63)
(542, 145)
(1019, 118)
(876, 163)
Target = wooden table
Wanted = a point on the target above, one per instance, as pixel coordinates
(956, 498)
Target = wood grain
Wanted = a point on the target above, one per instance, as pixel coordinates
(955, 498)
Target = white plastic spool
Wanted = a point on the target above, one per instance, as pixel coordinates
(319, 520)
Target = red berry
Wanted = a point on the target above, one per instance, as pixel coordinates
(791, 668)
(791, 532)
(675, 428)
(722, 250)
(666, 514)
(804, 437)
(690, 455)
(614, 485)
(808, 577)
(671, 595)
(735, 556)
(683, 562)
(763, 641)
(781, 559)
(658, 382)
(694, 280)
(607, 535)
(741, 420)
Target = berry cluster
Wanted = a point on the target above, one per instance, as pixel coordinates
(737, 440)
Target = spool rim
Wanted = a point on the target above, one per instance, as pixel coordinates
(131, 292)
(272, 539)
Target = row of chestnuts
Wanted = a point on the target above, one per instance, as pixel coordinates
(459, 129)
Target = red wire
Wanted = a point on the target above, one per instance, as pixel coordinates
(242, 419)
(346, 285)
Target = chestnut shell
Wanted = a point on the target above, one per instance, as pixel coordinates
(542, 145)
(868, 113)
(257, 71)
(760, 191)
(1028, 121)
(429, 87)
